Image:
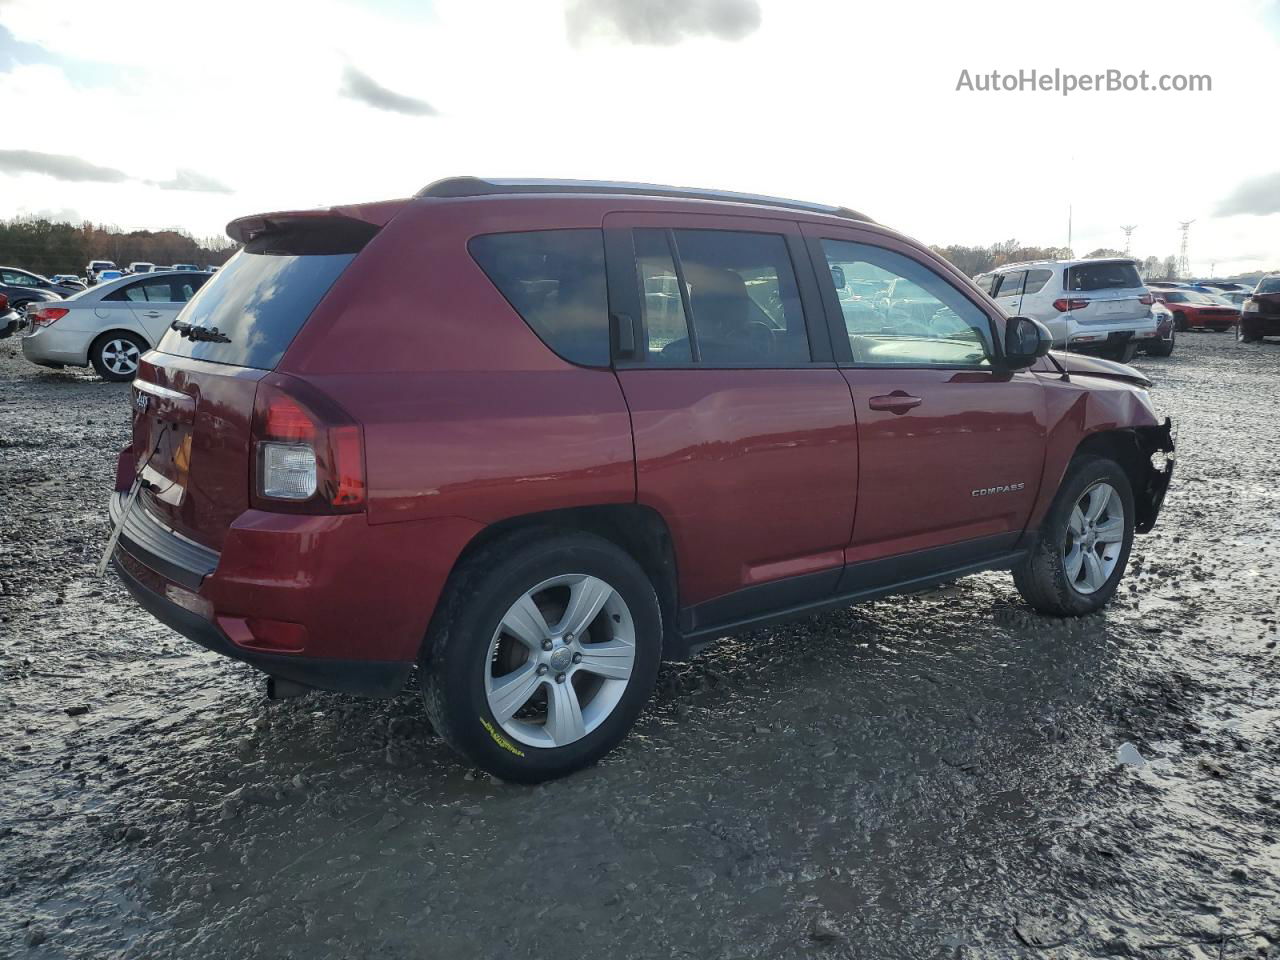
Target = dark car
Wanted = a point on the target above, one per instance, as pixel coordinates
(1260, 314)
(599, 425)
(23, 287)
(1193, 310)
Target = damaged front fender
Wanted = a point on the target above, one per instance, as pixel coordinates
(1157, 446)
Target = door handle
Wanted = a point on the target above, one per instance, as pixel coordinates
(152, 313)
(896, 402)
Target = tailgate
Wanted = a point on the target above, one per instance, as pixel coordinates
(191, 442)
(1114, 309)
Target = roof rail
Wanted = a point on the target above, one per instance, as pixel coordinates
(486, 187)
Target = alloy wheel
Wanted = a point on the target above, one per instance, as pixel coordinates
(120, 356)
(560, 660)
(1095, 538)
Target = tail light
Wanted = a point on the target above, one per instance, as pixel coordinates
(43, 316)
(1146, 299)
(1251, 306)
(308, 455)
(1062, 304)
(4, 303)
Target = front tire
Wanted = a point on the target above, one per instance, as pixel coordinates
(115, 355)
(1084, 541)
(542, 655)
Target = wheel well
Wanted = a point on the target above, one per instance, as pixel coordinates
(116, 332)
(1132, 448)
(1123, 447)
(638, 530)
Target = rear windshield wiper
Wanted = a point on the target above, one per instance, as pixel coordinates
(194, 332)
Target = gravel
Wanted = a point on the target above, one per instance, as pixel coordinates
(947, 774)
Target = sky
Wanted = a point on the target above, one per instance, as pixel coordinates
(155, 114)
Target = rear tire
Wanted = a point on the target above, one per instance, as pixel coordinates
(115, 355)
(542, 655)
(1092, 514)
(1122, 354)
(1244, 336)
(1179, 321)
(1162, 348)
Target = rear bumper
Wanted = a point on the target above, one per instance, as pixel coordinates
(327, 601)
(365, 677)
(1087, 337)
(48, 345)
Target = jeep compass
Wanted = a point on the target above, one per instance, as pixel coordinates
(529, 438)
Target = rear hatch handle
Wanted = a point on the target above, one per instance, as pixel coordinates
(164, 404)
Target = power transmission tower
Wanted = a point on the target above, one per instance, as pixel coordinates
(1128, 234)
(1184, 265)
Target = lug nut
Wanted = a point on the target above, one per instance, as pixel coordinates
(542, 669)
(559, 678)
(568, 638)
(577, 658)
(546, 644)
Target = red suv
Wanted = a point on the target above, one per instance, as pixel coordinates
(529, 438)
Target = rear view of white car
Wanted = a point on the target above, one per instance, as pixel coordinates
(1090, 306)
(108, 326)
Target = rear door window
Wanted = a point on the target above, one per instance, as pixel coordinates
(720, 298)
(555, 280)
(1010, 284)
(153, 291)
(258, 301)
(662, 308)
(1107, 275)
(1036, 279)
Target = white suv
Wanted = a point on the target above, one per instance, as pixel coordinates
(1090, 306)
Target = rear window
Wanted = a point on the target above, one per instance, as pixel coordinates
(555, 280)
(1119, 275)
(259, 300)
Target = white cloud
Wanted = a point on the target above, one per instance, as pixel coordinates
(660, 22)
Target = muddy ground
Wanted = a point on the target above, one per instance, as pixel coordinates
(939, 775)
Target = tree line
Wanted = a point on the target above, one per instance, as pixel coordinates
(44, 247)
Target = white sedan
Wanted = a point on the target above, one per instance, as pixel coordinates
(109, 325)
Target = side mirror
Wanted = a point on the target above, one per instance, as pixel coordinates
(1025, 341)
(838, 278)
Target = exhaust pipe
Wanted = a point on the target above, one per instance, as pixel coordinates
(279, 688)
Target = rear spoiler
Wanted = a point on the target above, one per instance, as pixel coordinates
(341, 219)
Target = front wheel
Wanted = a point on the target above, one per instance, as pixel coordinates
(1084, 542)
(543, 654)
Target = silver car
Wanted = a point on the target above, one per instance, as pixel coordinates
(109, 325)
